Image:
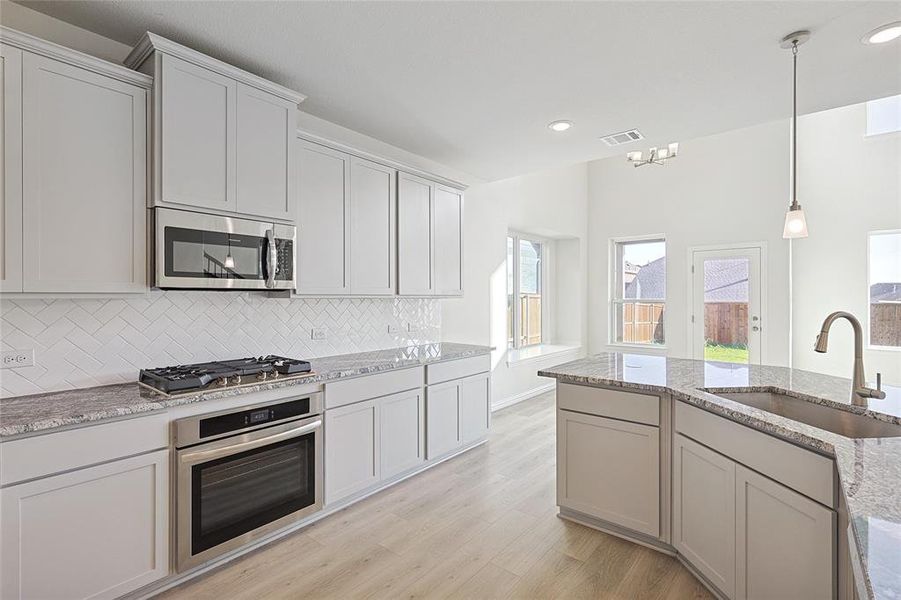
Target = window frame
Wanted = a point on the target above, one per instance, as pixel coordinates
(869, 328)
(544, 288)
(615, 296)
(866, 126)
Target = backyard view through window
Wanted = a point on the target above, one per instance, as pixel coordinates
(885, 289)
(639, 291)
(524, 291)
(726, 302)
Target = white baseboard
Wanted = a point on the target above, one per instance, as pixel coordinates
(511, 400)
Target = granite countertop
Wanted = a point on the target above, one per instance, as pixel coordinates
(869, 469)
(41, 413)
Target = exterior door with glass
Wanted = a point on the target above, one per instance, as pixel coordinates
(726, 304)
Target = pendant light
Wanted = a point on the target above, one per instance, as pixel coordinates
(795, 222)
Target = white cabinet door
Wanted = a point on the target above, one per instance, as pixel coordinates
(401, 432)
(197, 130)
(609, 469)
(84, 167)
(448, 241)
(475, 407)
(415, 235)
(265, 154)
(98, 532)
(11, 163)
(373, 234)
(323, 220)
(442, 419)
(351, 449)
(785, 543)
(704, 511)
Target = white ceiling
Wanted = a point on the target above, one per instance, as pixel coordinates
(473, 84)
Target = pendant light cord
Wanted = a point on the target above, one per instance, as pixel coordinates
(795, 204)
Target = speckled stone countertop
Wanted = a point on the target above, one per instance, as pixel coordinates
(42, 413)
(869, 469)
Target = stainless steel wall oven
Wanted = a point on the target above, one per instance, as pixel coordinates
(243, 473)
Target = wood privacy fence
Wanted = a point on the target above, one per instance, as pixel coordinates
(885, 324)
(643, 322)
(726, 322)
(530, 320)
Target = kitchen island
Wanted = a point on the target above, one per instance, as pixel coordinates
(674, 410)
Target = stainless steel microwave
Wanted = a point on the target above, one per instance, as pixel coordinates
(202, 251)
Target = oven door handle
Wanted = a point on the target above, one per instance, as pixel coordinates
(205, 455)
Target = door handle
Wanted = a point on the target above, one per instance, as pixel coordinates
(272, 258)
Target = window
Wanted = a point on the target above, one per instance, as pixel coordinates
(884, 115)
(525, 290)
(638, 298)
(885, 289)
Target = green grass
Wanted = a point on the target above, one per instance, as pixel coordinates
(732, 354)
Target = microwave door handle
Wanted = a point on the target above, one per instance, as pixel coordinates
(271, 258)
(205, 455)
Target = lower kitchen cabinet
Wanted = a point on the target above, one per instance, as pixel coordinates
(609, 469)
(401, 432)
(351, 449)
(371, 441)
(704, 511)
(458, 412)
(784, 542)
(96, 532)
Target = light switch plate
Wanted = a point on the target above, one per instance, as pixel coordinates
(10, 359)
(393, 329)
(319, 333)
(412, 327)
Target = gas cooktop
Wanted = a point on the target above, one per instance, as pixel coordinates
(224, 373)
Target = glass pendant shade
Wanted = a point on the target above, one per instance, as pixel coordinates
(229, 262)
(795, 224)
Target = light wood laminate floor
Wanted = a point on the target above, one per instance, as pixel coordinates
(482, 525)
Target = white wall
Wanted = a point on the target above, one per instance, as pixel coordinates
(849, 185)
(552, 204)
(722, 189)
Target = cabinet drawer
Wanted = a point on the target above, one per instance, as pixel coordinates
(627, 406)
(42, 455)
(372, 386)
(455, 369)
(802, 470)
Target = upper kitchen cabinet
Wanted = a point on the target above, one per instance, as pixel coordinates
(223, 139)
(430, 238)
(74, 163)
(347, 236)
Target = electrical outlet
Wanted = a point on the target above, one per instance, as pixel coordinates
(412, 327)
(11, 359)
(319, 333)
(393, 329)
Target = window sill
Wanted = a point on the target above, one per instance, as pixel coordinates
(538, 352)
(640, 348)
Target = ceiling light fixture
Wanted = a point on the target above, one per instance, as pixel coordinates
(656, 156)
(559, 125)
(795, 221)
(881, 35)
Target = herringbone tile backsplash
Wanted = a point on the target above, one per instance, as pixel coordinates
(82, 343)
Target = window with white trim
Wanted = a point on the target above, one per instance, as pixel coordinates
(525, 290)
(885, 289)
(638, 291)
(884, 115)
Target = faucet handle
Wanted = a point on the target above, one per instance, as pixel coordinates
(878, 382)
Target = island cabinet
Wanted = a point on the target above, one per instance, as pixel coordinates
(753, 514)
(223, 139)
(608, 457)
(347, 238)
(74, 167)
(84, 513)
(430, 238)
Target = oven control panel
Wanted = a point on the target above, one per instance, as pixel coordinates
(235, 421)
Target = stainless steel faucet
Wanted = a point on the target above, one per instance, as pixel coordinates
(859, 390)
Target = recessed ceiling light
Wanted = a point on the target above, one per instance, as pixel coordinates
(883, 34)
(559, 125)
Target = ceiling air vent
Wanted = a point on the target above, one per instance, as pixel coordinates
(624, 137)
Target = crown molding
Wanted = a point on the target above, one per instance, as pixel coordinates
(75, 58)
(151, 42)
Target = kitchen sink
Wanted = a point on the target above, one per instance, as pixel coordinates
(838, 421)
